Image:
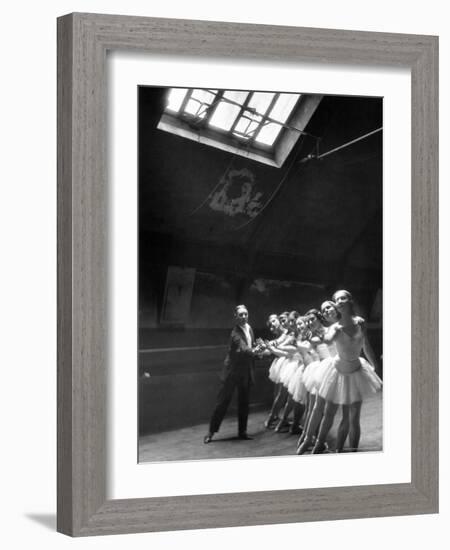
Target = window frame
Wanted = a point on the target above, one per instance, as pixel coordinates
(197, 129)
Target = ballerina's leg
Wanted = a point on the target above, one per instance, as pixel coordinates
(343, 429)
(283, 423)
(298, 411)
(355, 425)
(278, 402)
(325, 426)
(313, 424)
(310, 400)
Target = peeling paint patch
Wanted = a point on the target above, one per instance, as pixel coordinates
(236, 194)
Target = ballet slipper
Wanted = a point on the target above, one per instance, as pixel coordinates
(268, 424)
(319, 448)
(281, 425)
(305, 446)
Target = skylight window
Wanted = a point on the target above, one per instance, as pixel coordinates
(259, 116)
(263, 126)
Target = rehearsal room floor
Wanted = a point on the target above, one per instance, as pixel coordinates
(187, 443)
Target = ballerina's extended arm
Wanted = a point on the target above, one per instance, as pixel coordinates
(332, 332)
(283, 349)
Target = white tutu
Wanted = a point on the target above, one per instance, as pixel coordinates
(308, 376)
(289, 367)
(316, 370)
(296, 386)
(315, 373)
(274, 369)
(345, 382)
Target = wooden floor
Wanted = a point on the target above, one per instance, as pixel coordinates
(187, 443)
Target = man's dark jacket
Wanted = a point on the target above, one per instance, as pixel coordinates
(239, 361)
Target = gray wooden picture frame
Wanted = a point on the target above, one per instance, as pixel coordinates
(83, 41)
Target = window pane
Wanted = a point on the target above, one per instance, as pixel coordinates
(194, 107)
(224, 116)
(198, 102)
(260, 101)
(247, 126)
(268, 133)
(204, 99)
(283, 107)
(175, 99)
(226, 112)
(236, 97)
(206, 96)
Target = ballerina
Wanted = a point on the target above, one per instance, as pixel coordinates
(280, 332)
(313, 378)
(290, 364)
(313, 373)
(296, 386)
(350, 378)
(283, 317)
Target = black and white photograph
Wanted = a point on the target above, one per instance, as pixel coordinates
(260, 273)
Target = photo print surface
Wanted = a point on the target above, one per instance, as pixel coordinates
(260, 274)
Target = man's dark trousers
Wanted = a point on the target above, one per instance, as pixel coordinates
(242, 384)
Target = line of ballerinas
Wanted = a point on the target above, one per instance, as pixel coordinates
(318, 367)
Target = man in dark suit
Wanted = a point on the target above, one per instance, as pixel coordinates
(237, 373)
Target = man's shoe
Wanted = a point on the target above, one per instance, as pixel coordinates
(245, 437)
(207, 439)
